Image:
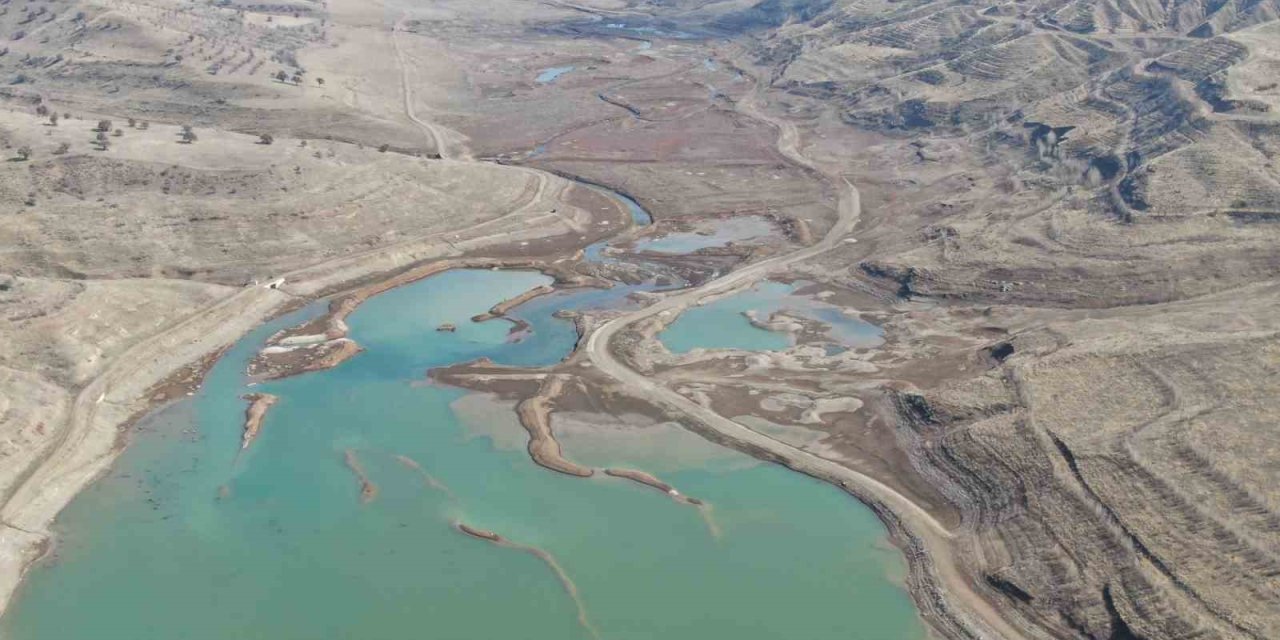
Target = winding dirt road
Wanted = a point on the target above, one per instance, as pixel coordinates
(932, 534)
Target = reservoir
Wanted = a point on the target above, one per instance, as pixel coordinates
(723, 323)
(188, 537)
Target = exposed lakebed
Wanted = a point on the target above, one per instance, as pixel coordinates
(339, 520)
(188, 538)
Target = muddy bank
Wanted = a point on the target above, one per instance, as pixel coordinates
(499, 310)
(651, 481)
(570, 588)
(368, 490)
(322, 343)
(535, 416)
(259, 404)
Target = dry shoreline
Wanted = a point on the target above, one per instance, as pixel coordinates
(922, 582)
(88, 441)
(103, 404)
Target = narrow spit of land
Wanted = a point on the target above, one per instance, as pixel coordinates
(570, 588)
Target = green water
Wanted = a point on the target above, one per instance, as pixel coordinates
(722, 324)
(184, 539)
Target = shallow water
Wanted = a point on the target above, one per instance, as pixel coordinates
(722, 324)
(186, 538)
(725, 232)
(549, 75)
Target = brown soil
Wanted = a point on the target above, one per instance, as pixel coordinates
(535, 415)
(259, 404)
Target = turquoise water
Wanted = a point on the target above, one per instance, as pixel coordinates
(549, 75)
(185, 538)
(735, 230)
(722, 324)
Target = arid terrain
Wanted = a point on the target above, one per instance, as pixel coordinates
(1064, 216)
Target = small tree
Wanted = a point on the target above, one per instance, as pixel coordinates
(42, 110)
(281, 75)
(53, 119)
(266, 138)
(104, 126)
(320, 81)
(104, 143)
(132, 123)
(188, 134)
(297, 78)
(24, 152)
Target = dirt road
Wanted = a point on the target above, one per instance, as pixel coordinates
(933, 535)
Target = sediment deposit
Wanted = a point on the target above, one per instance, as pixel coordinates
(259, 404)
(535, 415)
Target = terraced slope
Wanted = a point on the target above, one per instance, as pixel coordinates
(1088, 190)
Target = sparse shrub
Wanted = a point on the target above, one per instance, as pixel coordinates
(144, 125)
(42, 110)
(104, 143)
(320, 81)
(281, 75)
(103, 126)
(266, 138)
(118, 132)
(24, 152)
(61, 149)
(384, 148)
(53, 119)
(188, 134)
(132, 123)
